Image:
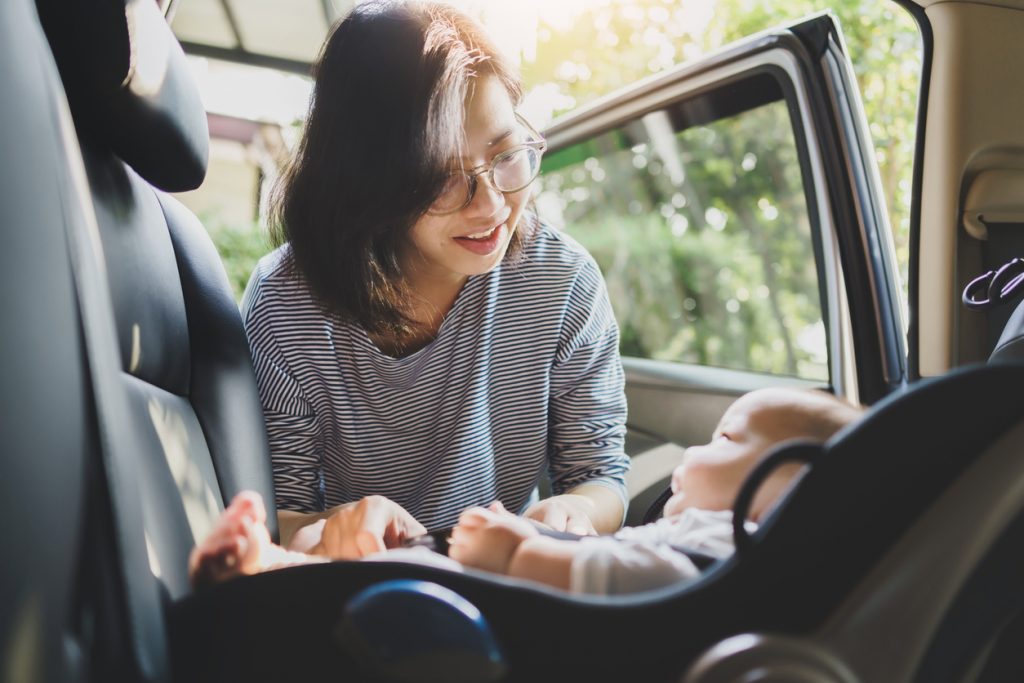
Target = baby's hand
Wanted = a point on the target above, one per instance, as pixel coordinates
(236, 545)
(499, 510)
(487, 538)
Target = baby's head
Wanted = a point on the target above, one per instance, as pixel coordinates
(711, 475)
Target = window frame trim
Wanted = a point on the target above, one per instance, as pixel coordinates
(737, 62)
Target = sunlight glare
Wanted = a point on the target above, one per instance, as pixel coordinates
(260, 94)
(196, 486)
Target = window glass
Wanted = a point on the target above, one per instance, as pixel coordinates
(698, 219)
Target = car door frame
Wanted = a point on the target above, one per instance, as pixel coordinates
(854, 245)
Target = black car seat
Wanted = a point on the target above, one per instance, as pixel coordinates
(138, 414)
(1010, 346)
(47, 424)
(185, 367)
(853, 575)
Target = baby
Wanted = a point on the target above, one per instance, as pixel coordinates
(697, 516)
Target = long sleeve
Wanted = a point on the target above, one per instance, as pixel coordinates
(292, 427)
(587, 419)
(644, 558)
(607, 566)
(523, 375)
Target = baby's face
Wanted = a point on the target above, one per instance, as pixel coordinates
(711, 475)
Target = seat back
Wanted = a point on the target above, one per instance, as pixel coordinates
(1010, 347)
(195, 416)
(131, 403)
(46, 424)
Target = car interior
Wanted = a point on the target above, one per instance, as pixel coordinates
(132, 416)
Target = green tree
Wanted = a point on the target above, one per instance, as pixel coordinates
(618, 42)
(240, 247)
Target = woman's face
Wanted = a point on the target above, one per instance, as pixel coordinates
(473, 240)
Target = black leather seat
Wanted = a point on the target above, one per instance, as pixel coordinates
(46, 425)
(1010, 347)
(195, 420)
(134, 410)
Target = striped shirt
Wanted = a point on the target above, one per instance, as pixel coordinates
(523, 378)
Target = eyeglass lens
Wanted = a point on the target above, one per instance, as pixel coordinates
(511, 173)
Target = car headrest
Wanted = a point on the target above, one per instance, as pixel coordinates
(1010, 347)
(129, 87)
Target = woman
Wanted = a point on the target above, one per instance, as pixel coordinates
(422, 344)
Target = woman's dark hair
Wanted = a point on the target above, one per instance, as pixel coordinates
(385, 120)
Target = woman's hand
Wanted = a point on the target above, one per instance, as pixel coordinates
(567, 512)
(368, 526)
(306, 538)
(488, 538)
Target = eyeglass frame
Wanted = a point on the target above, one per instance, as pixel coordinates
(540, 144)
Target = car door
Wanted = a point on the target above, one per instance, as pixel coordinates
(733, 205)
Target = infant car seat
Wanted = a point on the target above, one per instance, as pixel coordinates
(902, 519)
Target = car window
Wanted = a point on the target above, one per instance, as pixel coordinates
(696, 214)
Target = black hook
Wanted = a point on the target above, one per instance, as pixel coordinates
(997, 286)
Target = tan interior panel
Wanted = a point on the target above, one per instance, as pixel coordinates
(994, 196)
(977, 59)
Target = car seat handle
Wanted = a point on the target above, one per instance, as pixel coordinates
(805, 452)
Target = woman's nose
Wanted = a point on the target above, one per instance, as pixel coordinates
(487, 199)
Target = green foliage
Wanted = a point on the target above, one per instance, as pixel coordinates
(617, 42)
(240, 247)
(764, 246)
(710, 262)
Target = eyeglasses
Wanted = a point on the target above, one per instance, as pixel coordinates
(510, 171)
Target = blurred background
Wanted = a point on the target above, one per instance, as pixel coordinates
(711, 266)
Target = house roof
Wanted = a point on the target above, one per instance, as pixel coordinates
(269, 33)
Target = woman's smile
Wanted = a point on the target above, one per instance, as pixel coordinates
(485, 242)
